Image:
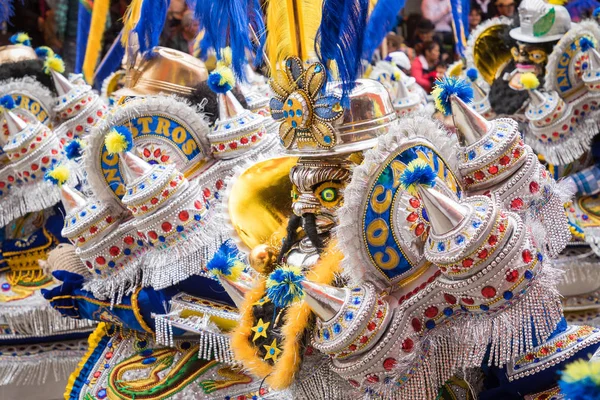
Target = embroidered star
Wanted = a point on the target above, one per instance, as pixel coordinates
(272, 351)
(262, 301)
(260, 329)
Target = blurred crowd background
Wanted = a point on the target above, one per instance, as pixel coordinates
(422, 42)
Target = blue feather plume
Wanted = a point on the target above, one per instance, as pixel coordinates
(340, 39)
(382, 20)
(472, 74)
(224, 260)
(284, 286)
(74, 149)
(446, 88)
(6, 11)
(586, 44)
(226, 23)
(150, 25)
(257, 23)
(596, 12)
(580, 9)
(84, 21)
(7, 102)
(110, 63)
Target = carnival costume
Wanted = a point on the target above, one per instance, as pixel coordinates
(158, 172)
(37, 344)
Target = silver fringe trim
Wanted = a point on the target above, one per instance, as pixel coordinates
(26, 199)
(39, 321)
(118, 284)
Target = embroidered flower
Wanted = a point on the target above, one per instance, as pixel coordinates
(306, 114)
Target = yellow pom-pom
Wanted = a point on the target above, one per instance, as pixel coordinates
(221, 80)
(23, 37)
(55, 63)
(530, 81)
(58, 175)
(118, 140)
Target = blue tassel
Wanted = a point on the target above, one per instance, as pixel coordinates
(446, 88)
(284, 286)
(586, 44)
(110, 63)
(74, 149)
(84, 20)
(7, 102)
(472, 74)
(340, 39)
(150, 25)
(382, 20)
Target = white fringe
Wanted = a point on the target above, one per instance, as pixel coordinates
(118, 284)
(29, 198)
(33, 89)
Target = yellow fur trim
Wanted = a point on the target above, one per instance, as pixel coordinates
(530, 81)
(94, 43)
(93, 341)
(297, 320)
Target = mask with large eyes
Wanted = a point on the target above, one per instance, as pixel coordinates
(528, 58)
(329, 194)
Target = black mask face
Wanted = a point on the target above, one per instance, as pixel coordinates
(204, 96)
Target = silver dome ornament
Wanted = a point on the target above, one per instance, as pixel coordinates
(63, 85)
(237, 289)
(71, 199)
(133, 167)
(14, 123)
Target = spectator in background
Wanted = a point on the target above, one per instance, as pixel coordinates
(439, 12)
(184, 35)
(425, 32)
(486, 8)
(424, 67)
(395, 43)
(475, 17)
(505, 8)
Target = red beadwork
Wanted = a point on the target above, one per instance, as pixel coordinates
(431, 312)
(493, 240)
(389, 364)
(166, 226)
(467, 262)
(527, 256)
(373, 378)
(416, 324)
(128, 240)
(479, 175)
(493, 169)
(412, 217)
(505, 160)
(468, 301)
(184, 215)
(534, 187)
(488, 292)
(407, 345)
(449, 298)
(516, 204)
(371, 326)
(414, 202)
(100, 260)
(512, 276)
(114, 251)
(420, 229)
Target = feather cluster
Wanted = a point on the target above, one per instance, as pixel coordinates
(21, 38)
(586, 43)
(530, 81)
(145, 18)
(581, 380)
(6, 11)
(118, 140)
(7, 102)
(225, 262)
(221, 80)
(54, 63)
(417, 173)
(44, 51)
(74, 149)
(447, 87)
(472, 74)
(58, 176)
(284, 286)
(340, 39)
(382, 19)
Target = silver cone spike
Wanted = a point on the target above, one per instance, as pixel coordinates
(594, 61)
(537, 98)
(229, 106)
(403, 92)
(325, 301)
(133, 166)
(14, 123)
(444, 213)
(62, 84)
(470, 125)
(72, 199)
(236, 289)
(478, 93)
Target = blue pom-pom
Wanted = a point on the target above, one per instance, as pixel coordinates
(596, 12)
(44, 51)
(586, 44)
(284, 286)
(417, 173)
(7, 102)
(74, 149)
(472, 74)
(221, 80)
(580, 380)
(448, 87)
(225, 261)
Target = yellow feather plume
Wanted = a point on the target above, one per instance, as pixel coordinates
(94, 43)
(130, 19)
(55, 63)
(530, 81)
(291, 29)
(58, 175)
